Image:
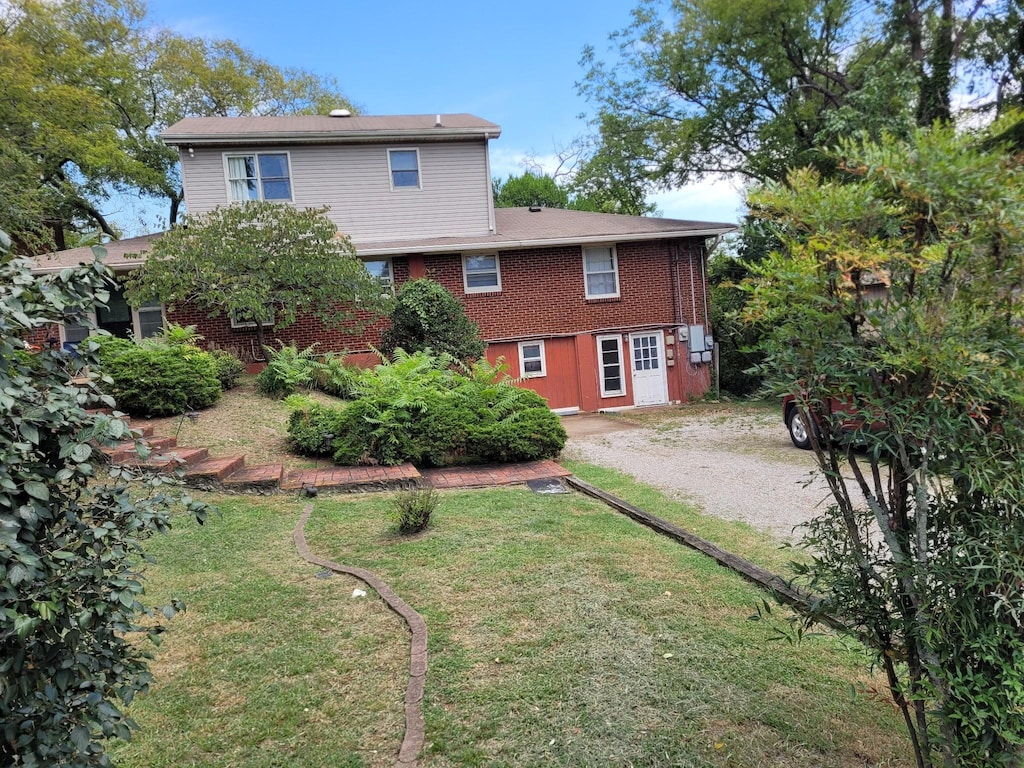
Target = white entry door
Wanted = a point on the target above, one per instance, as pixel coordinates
(650, 381)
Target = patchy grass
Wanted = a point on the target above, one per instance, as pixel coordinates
(561, 633)
(241, 422)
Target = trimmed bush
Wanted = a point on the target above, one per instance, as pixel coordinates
(416, 409)
(161, 381)
(426, 316)
(313, 430)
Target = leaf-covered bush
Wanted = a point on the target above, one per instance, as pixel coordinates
(162, 381)
(288, 369)
(71, 540)
(426, 316)
(417, 409)
(229, 368)
(411, 511)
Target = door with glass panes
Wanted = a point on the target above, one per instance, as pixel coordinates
(647, 356)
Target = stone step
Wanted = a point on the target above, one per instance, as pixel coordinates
(172, 458)
(125, 453)
(213, 470)
(403, 476)
(259, 477)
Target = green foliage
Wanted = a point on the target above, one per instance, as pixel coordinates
(426, 316)
(529, 189)
(737, 341)
(229, 368)
(313, 429)
(163, 381)
(288, 369)
(922, 547)
(411, 510)
(257, 260)
(417, 409)
(71, 544)
(88, 88)
(174, 335)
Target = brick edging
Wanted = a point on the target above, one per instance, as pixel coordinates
(414, 737)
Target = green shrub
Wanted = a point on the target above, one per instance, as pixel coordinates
(416, 409)
(334, 377)
(426, 316)
(110, 347)
(288, 369)
(229, 368)
(411, 511)
(162, 381)
(313, 430)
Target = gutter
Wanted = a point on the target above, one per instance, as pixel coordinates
(242, 138)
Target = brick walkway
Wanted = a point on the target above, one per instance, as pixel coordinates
(493, 474)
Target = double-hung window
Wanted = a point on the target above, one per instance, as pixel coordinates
(609, 353)
(259, 176)
(531, 359)
(481, 273)
(601, 272)
(404, 165)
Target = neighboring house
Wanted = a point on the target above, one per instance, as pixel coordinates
(594, 311)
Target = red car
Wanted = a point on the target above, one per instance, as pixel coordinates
(799, 430)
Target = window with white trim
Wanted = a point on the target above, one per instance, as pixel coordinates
(531, 359)
(404, 165)
(381, 269)
(481, 273)
(609, 354)
(259, 176)
(238, 322)
(601, 272)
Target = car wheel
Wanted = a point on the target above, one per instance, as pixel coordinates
(798, 431)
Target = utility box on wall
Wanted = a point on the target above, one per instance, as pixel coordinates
(700, 344)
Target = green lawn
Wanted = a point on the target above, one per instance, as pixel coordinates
(561, 633)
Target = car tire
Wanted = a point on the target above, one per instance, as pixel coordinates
(798, 432)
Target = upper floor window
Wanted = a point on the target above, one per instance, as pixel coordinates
(381, 269)
(405, 168)
(481, 273)
(259, 176)
(601, 272)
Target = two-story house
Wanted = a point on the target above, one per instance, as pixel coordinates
(594, 311)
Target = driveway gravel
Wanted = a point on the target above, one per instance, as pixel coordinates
(735, 462)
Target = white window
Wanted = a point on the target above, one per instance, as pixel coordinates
(531, 359)
(609, 354)
(259, 176)
(601, 272)
(381, 269)
(404, 165)
(481, 274)
(237, 322)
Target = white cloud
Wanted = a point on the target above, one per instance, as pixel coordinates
(713, 199)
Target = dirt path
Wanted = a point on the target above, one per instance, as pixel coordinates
(735, 462)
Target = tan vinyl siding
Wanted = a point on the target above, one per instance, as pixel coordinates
(355, 182)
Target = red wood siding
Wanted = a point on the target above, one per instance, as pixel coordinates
(560, 384)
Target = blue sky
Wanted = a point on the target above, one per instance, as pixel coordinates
(513, 63)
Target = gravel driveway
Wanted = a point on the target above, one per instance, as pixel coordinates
(735, 462)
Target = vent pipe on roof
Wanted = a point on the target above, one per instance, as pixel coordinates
(437, 122)
(340, 113)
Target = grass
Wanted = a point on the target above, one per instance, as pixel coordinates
(561, 633)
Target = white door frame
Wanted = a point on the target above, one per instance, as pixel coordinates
(660, 374)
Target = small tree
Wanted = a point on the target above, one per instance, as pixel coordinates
(71, 543)
(427, 316)
(261, 261)
(922, 549)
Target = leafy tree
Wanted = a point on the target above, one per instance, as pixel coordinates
(529, 189)
(260, 261)
(71, 540)
(922, 549)
(426, 316)
(86, 89)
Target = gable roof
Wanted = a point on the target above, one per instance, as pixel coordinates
(311, 129)
(514, 228)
